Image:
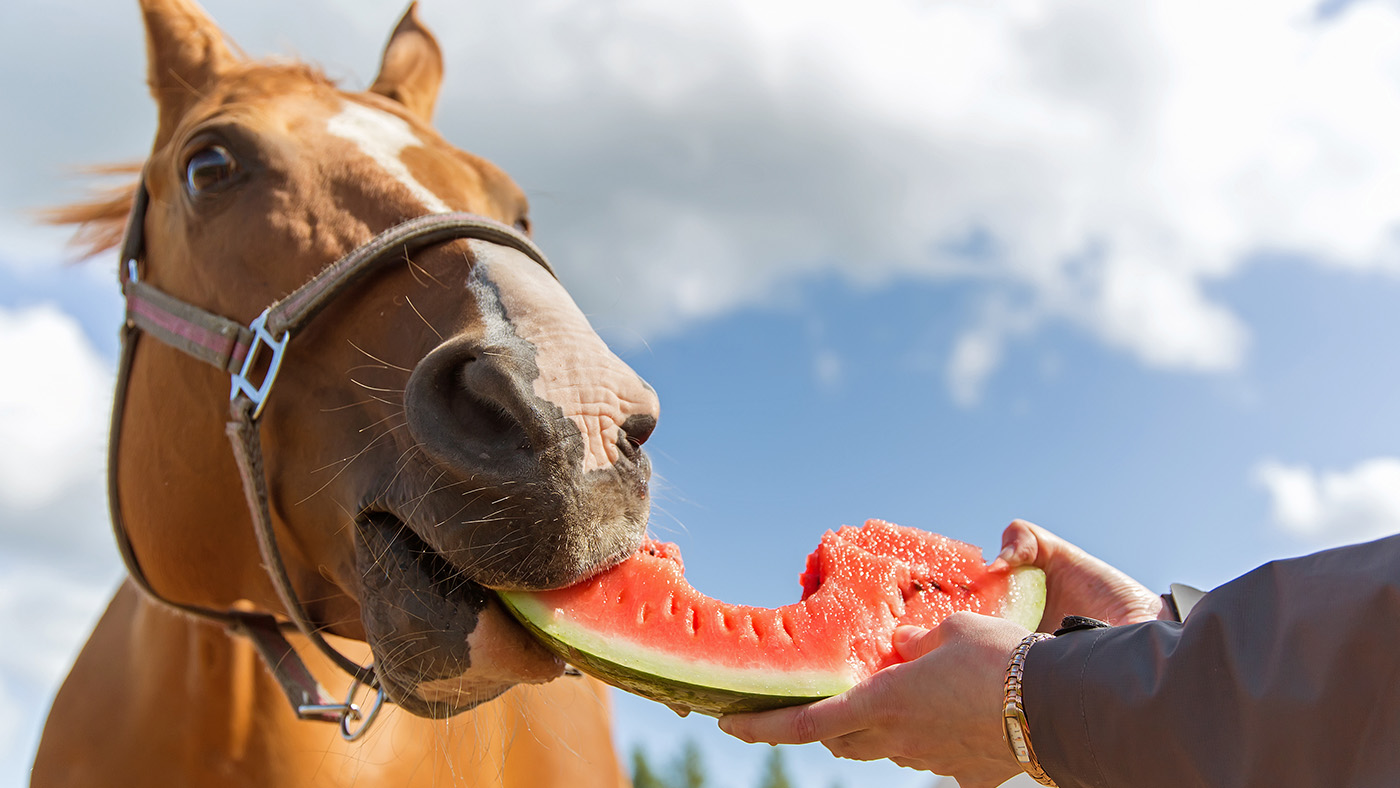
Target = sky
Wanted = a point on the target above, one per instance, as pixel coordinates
(1126, 270)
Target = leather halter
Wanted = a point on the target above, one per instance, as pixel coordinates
(239, 351)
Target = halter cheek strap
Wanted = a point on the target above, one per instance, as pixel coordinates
(237, 349)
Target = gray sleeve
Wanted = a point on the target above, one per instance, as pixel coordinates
(1287, 676)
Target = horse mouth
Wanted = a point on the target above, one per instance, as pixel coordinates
(443, 642)
(430, 566)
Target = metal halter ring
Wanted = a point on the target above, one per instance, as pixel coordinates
(346, 712)
(353, 712)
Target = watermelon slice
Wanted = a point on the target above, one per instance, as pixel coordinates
(641, 627)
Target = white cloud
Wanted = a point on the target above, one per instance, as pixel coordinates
(977, 351)
(686, 158)
(828, 368)
(54, 606)
(1165, 319)
(50, 609)
(57, 565)
(12, 718)
(53, 408)
(976, 354)
(1335, 506)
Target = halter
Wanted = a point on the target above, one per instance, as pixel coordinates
(252, 356)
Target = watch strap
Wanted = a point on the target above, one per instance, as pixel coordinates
(1015, 728)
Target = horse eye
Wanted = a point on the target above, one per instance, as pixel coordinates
(523, 224)
(209, 168)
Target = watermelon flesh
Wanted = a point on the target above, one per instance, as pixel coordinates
(640, 626)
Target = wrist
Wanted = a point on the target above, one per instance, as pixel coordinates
(1015, 729)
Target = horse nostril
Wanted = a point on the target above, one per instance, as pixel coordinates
(635, 431)
(468, 408)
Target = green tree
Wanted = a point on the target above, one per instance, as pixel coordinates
(775, 771)
(690, 767)
(642, 775)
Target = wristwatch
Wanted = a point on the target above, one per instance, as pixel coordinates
(1015, 727)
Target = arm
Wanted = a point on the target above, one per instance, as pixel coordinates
(1289, 675)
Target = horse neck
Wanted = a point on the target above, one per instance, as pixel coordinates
(207, 706)
(165, 701)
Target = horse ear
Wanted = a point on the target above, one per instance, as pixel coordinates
(185, 52)
(411, 71)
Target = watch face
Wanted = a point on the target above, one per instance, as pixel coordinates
(1017, 739)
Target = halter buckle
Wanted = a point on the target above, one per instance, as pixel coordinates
(257, 394)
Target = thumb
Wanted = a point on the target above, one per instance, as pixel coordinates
(911, 642)
(1020, 545)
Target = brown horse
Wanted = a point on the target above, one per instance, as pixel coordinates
(447, 424)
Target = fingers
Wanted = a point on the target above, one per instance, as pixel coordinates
(1024, 543)
(1021, 544)
(825, 719)
(912, 642)
(1076, 582)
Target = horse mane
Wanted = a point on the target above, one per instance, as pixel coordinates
(101, 219)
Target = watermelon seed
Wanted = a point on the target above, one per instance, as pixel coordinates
(787, 627)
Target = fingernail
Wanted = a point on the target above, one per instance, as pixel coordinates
(905, 633)
(1006, 553)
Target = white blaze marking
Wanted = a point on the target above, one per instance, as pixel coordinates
(382, 137)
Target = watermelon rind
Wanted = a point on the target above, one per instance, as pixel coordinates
(1025, 597)
(689, 685)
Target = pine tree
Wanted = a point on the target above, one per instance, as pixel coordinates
(690, 768)
(642, 775)
(775, 772)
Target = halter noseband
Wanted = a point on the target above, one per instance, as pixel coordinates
(237, 350)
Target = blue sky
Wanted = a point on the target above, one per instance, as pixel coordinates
(1152, 470)
(946, 264)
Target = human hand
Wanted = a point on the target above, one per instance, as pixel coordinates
(939, 710)
(1077, 583)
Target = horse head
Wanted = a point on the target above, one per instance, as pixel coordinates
(448, 425)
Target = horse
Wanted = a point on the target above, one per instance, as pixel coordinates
(444, 424)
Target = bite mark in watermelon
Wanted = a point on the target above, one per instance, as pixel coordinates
(641, 627)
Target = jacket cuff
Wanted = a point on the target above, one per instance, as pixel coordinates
(1054, 706)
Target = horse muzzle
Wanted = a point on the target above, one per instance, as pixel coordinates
(515, 504)
(504, 488)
